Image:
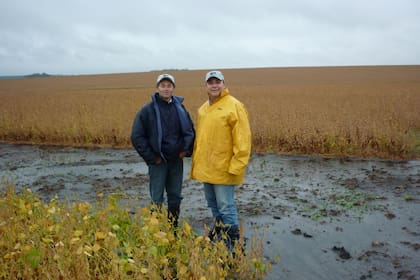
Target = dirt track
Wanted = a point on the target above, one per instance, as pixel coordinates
(326, 218)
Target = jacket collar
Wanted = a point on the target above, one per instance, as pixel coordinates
(225, 92)
(175, 99)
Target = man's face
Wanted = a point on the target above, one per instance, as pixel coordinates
(165, 89)
(214, 87)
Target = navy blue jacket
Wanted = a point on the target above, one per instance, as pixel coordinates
(147, 134)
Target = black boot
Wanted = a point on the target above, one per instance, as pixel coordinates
(233, 235)
(216, 231)
(173, 215)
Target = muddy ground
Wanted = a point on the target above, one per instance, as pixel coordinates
(324, 218)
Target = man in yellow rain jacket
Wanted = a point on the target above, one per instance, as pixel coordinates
(221, 153)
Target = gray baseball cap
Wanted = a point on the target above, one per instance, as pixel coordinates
(165, 76)
(215, 74)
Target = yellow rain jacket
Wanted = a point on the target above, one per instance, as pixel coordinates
(223, 142)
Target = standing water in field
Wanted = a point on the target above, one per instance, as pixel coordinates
(319, 218)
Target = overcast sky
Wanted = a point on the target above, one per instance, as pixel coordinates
(108, 36)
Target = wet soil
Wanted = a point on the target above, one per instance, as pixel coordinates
(319, 218)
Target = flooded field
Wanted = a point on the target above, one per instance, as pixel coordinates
(323, 218)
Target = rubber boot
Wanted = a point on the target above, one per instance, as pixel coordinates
(233, 235)
(173, 215)
(215, 232)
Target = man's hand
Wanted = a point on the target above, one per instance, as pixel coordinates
(182, 154)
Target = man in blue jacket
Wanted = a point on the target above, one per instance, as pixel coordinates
(163, 134)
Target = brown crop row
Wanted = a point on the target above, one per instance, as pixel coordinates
(370, 111)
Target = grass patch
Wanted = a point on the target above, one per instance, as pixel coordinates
(340, 203)
(79, 240)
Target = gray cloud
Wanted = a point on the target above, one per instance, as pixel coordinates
(83, 37)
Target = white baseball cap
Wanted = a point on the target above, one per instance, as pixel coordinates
(165, 76)
(215, 74)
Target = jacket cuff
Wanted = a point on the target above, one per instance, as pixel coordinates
(234, 171)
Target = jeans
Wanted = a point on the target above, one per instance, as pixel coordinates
(166, 176)
(221, 201)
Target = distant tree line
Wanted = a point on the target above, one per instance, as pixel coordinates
(34, 75)
(38, 75)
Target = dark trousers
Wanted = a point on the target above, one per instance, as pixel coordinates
(166, 176)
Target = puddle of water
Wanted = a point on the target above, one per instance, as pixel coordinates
(368, 207)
